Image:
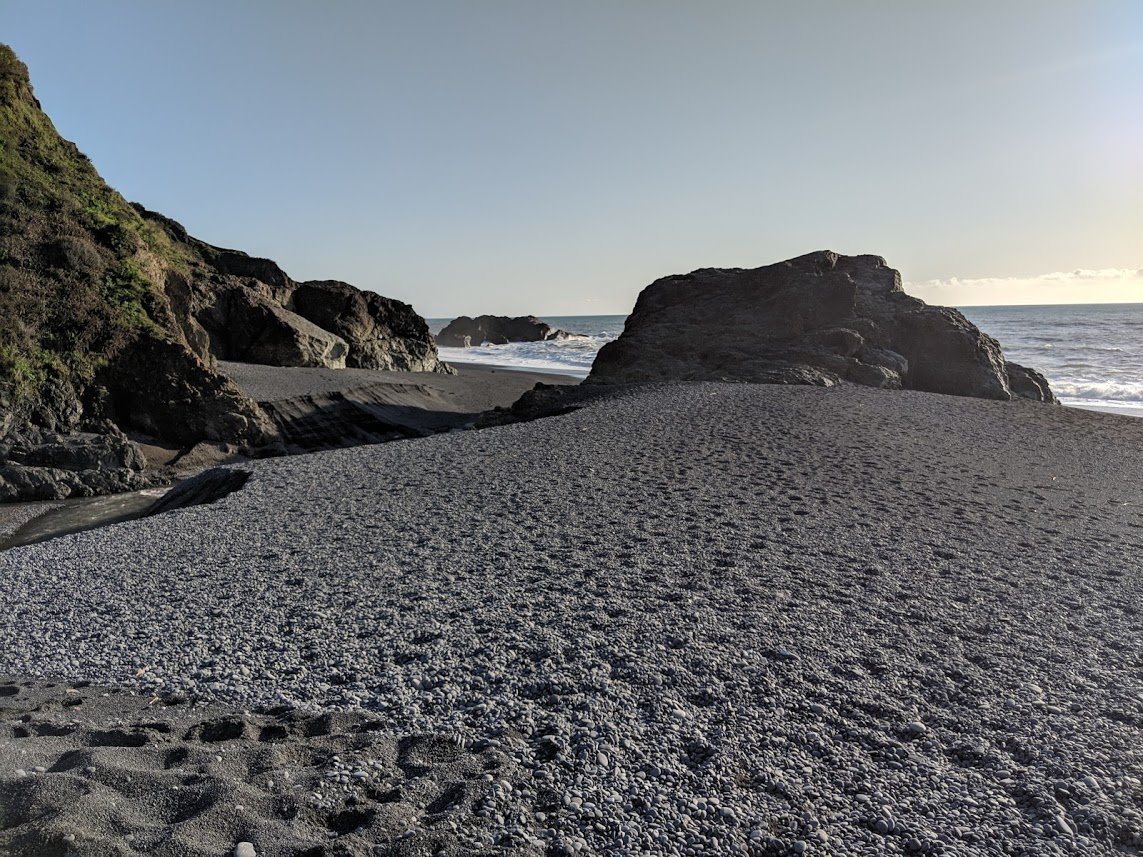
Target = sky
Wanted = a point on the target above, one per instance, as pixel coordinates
(513, 156)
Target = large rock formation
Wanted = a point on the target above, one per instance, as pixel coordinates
(382, 333)
(466, 332)
(112, 319)
(817, 319)
(247, 309)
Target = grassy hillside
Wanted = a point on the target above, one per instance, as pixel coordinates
(80, 270)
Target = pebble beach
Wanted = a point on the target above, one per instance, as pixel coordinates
(683, 619)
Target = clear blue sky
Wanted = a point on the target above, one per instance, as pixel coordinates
(554, 158)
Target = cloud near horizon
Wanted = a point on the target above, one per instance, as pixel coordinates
(1106, 285)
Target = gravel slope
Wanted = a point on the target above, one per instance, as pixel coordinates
(700, 619)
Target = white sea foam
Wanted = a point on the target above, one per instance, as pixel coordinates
(1111, 392)
(514, 357)
(570, 356)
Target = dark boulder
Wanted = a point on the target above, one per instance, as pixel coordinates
(161, 389)
(818, 319)
(1028, 383)
(43, 465)
(206, 487)
(381, 333)
(81, 451)
(248, 310)
(466, 332)
(249, 327)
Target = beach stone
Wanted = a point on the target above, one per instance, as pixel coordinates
(818, 319)
(245, 849)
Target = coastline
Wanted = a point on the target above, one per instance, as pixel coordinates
(631, 612)
(1123, 410)
(565, 371)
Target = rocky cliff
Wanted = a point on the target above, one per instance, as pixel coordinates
(238, 307)
(817, 319)
(112, 318)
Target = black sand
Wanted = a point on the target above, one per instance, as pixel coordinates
(700, 619)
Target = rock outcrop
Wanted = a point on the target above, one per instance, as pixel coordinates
(43, 465)
(382, 333)
(112, 319)
(247, 309)
(817, 319)
(466, 332)
(249, 327)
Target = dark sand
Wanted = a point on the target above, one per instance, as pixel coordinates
(699, 619)
(96, 771)
(472, 390)
(426, 402)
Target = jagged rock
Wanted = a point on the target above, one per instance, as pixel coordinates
(206, 487)
(247, 309)
(817, 319)
(466, 332)
(161, 389)
(249, 327)
(82, 451)
(1028, 383)
(381, 333)
(18, 482)
(21, 482)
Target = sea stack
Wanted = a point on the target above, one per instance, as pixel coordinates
(466, 332)
(817, 319)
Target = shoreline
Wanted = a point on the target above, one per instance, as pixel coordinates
(1122, 410)
(564, 372)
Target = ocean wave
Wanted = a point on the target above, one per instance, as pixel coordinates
(1111, 392)
(571, 356)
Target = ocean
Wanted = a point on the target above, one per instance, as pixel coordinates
(1091, 354)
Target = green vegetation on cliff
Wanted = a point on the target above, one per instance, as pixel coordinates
(80, 270)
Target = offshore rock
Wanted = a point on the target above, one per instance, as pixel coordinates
(817, 319)
(466, 332)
